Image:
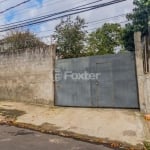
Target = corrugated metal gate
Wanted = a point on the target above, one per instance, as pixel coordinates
(97, 81)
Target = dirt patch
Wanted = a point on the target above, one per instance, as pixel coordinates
(129, 133)
(11, 113)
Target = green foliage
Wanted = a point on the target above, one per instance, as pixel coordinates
(139, 18)
(147, 145)
(18, 41)
(70, 37)
(105, 39)
(128, 37)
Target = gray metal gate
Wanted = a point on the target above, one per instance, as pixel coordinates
(97, 81)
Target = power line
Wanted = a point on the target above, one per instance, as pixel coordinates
(1, 12)
(126, 21)
(48, 17)
(102, 20)
(31, 6)
(43, 6)
(43, 13)
(95, 21)
(122, 22)
(53, 14)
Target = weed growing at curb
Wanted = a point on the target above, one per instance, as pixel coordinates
(147, 145)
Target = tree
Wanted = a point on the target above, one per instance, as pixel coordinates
(70, 37)
(105, 39)
(128, 37)
(139, 18)
(19, 41)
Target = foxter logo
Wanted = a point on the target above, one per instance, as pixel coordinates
(76, 76)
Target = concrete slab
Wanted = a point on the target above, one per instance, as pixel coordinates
(113, 124)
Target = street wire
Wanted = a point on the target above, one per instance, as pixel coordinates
(95, 21)
(47, 18)
(50, 15)
(12, 7)
(43, 12)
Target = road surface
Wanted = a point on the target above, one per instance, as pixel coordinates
(12, 138)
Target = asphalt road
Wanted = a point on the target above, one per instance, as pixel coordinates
(12, 138)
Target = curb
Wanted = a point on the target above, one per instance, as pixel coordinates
(50, 129)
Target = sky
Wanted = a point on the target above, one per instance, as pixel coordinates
(36, 8)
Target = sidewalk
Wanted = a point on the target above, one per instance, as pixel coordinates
(98, 125)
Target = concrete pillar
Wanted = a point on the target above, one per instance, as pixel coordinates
(139, 69)
(142, 78)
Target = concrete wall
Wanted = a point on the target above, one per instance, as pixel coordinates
(27, 76)
(143, 79)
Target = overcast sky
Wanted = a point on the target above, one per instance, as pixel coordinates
(36, 8)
